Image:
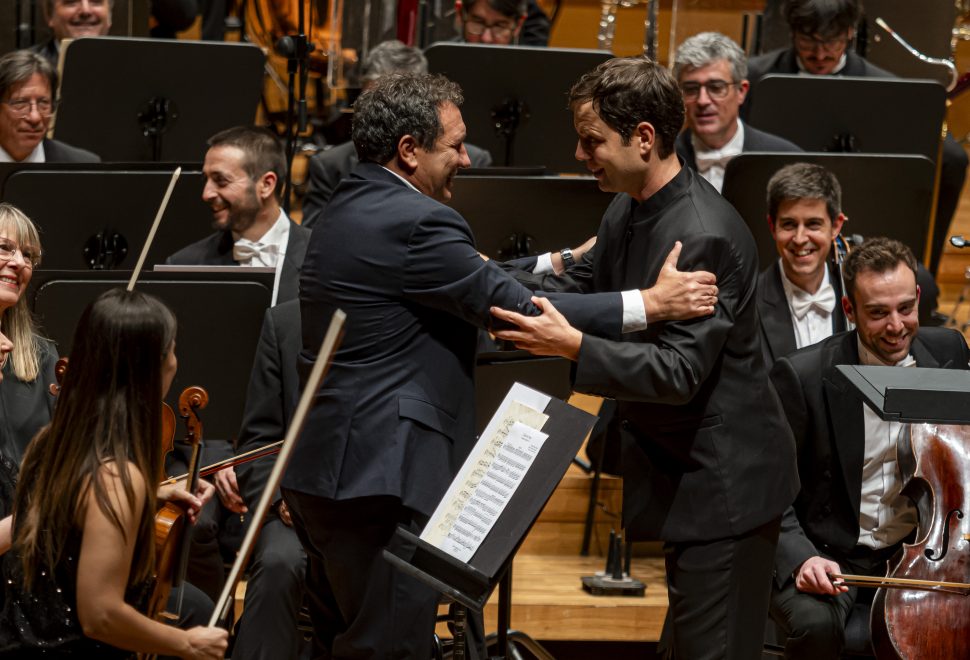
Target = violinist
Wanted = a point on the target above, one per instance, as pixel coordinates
(849, 516)
(82, 560)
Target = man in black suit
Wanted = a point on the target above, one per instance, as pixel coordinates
(503, 22)
(798, 296)
(275, 588)
(244, 171)
(822, 31)
(71, 19)
(395, 418)
(328, 167)
(713, 74)
(708, 461)
(27, 87)
(850, 516)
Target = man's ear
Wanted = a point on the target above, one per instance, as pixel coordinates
(743, 88)
(266, 185)
(407, 157)
(646, 137)
(847, 308)
(771, 224)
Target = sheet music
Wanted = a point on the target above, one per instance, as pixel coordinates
(490, 475)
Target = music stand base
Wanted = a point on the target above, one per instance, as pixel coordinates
(601, 585)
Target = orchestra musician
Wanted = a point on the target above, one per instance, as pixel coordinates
(503, 22)
(387, 433)
(822, 31)
(850, 516)
(708, 461)
(70, 19)
(712, 72)
(28, 84)
(244, 171)
(82, 556)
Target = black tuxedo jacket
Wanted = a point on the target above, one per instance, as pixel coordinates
(754, 140)
(395, 415)
(829, 429)
(60, 152)
(216, 250)
(274, 390)
(777, 326)
(706, 451)
(328, 167)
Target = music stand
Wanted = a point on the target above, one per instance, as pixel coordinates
(515, 99)
(210, 355)
(514, 217)
(915, 396)
(881, 195)
(847, 114)
(101, 213)
(160, 100)
(471, 583)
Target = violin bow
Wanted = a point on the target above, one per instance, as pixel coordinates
(330, 343)
(232, 461)
(151, 233)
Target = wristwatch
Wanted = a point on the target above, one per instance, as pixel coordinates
(567, 258)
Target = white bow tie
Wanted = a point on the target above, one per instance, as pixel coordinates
(259, 254)
(705, 163)
(823, 300)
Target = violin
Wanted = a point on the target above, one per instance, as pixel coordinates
(171, 546)
(922, 608)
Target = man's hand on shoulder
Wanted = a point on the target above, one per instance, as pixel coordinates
(546, 334)
(679, 295)
(812, 577)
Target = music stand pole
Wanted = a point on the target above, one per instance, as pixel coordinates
(297, 49)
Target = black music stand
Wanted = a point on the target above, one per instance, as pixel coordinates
(846, 114)
(96, 216)
(917, 395)
(881, 195)
(160, 100)
(210, 354)
(514, 217)
(515, 99)
(471, 583)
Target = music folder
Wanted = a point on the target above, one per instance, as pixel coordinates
(914, 395)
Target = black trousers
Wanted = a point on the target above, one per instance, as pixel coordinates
(360, 605)
(718, 594)
(815, 625)
(274, 593)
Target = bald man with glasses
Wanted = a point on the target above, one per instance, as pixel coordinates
(27, 103)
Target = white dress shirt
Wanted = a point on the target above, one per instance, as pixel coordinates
(35, 156)
(268, 250)
(886, 516)
(816, 324)
(710, 163)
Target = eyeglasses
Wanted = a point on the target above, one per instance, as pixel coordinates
(30, 255)
(477, 27)
(22, 107)
(810, 42)
(716, 89)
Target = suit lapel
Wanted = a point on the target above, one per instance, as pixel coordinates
(776, 320)
(923, 356)
(845, 417)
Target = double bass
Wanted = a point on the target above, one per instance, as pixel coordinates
(922, 608)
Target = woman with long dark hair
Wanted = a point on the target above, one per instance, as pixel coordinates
(82, 560)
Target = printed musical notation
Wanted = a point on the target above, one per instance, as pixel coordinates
(490, 475)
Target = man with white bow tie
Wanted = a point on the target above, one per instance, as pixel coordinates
(850, 515)
(244, 171)
(798, 295)
(712, 72)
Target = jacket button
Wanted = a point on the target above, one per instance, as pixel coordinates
(826, 474)
(625, 424)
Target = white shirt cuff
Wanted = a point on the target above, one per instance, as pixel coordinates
(543, 264)
(634, 314)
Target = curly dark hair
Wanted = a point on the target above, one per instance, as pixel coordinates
(625, 91)
(876, 255)
(399, 105)
(826, 18)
